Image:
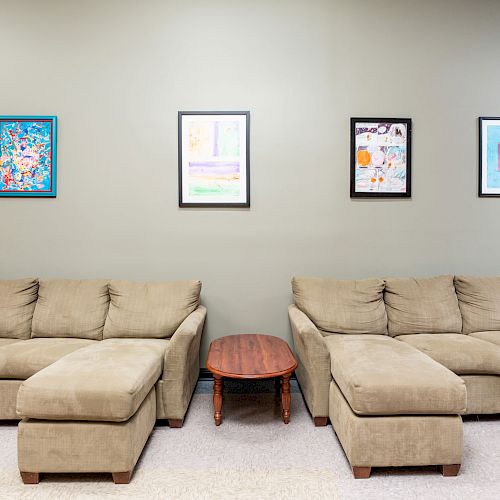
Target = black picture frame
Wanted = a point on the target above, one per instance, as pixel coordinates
(190, 204)
(380, 194)
(482, 193)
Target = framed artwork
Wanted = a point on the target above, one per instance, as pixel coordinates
(380, 157)
(489, 156)
(28, 155)
(214, 158)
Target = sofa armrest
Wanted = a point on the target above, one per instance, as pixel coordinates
(313, 372)
(182, 364)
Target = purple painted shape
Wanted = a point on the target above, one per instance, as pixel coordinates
(213, 167)
(216, 138)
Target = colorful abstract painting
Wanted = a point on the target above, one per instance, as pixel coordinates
(27, 156)
(380, 157)
(214, 159)
(489, 157)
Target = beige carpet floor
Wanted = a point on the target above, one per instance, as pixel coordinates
(253, 455)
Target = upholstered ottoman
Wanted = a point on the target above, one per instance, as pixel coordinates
(391, 405)
(91, 411)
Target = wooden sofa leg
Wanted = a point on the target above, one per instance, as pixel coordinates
(450, 470)
(361, 472)
(30, 477)
(175, 423)
(320, 421)
(122, 477)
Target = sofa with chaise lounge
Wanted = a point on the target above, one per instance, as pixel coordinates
(394, 362)
(90, 365)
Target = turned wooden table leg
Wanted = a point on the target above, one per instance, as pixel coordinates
(285, 398)
(218, 385)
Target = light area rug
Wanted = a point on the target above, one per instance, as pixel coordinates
(253, 455)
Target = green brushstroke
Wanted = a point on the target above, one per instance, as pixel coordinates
(195, 190)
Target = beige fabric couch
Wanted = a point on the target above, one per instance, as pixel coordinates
(394, 362)
(89, 365)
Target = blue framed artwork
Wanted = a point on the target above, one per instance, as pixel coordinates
(28, 156)
(489, 156)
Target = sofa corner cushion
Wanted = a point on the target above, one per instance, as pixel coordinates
(342, 306)
(71, 308)
(106, 381)
(422, 305)
(149, 309)
(479, 301)
(23, 359)
(462, 354)
(381, 376)
(17, 303)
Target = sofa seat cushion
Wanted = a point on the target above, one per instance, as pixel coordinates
(71, 308)
(4, 342)
(479, 301)
(149, 309)
(462, 354)
(17, 303)
(342, 306)
(106, 381)
(493, 337)
(422, 305)
(379, 375)
(23, 359)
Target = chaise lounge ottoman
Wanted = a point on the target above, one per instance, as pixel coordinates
(91, 411)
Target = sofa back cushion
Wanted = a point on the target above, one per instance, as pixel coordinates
(149, 309)
(17, 303)
(71, 308)
(342, 306)
(422, 305)
(479, 301)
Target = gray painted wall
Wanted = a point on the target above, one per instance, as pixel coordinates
(117, 72)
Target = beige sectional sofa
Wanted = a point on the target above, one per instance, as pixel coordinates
(89, 365)
(394, 362)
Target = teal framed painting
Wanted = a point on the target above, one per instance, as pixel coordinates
(28, 151)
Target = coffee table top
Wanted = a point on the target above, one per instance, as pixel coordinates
(250, 356)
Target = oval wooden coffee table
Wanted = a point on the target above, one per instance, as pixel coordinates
(251, 356)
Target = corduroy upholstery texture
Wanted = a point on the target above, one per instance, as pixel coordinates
(8, 397)
(313, 371)
(422, 305)
(106, 381)
(342, 306)
(483, 394)
(379, 375)
(17, 303)
(462, 354)
(23, 359)
(48, 446)
(479, 301)
(149, 310)
(71, 308)
(182, 365)
(5, 342)
(391, 441)
(493, 336)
